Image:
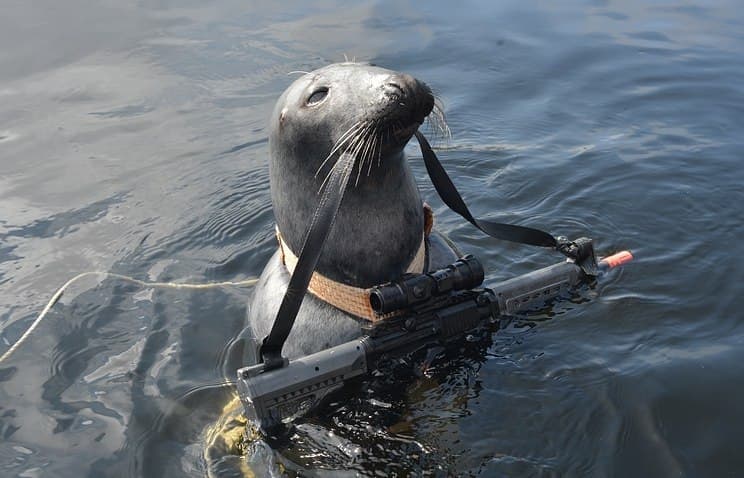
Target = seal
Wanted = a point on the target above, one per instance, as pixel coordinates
(379, 232)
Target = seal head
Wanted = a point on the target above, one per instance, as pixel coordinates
(372, 113)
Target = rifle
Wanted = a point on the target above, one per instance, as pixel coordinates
(423, 310)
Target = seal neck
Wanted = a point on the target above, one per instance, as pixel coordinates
(378, 228)
(354, 300)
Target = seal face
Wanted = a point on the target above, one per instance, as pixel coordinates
(371, 113)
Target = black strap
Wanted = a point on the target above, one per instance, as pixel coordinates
(320, 226)
(451, 197)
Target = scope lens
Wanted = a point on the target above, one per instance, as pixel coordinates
(375, 301)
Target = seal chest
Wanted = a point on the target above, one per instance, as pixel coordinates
(379, 232)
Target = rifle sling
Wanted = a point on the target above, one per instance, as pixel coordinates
(451, 197)
(320, 226)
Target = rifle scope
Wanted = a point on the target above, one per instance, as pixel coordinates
(412, 289)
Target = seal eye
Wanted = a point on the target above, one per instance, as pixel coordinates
(317, 96)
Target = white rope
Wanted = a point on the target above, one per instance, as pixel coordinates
(162, 285)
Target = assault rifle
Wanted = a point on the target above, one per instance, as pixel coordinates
(421, 310)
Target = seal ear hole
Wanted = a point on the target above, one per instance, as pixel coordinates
(317, 96)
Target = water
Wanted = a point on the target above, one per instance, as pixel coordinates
(133, 140)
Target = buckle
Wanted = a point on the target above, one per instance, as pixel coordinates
(581, 251)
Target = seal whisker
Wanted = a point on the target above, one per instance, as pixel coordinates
(349, 134)
(352, 148)
(353, 139)
(343, 139)
(369, 147)
(359, 141)
(379, 149)
(375, 148)
(372, 144)
(438, 120)
(379, 144)
(362, 149)
(441, 123)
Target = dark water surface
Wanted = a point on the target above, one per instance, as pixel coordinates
(133, 140)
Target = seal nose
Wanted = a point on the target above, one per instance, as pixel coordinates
(402, 84)
(394, 87)
(411, 94)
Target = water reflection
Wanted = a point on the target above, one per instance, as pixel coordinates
(132, 139)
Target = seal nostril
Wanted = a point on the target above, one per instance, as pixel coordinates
(395, 86)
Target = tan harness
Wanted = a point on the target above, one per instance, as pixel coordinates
(350, 299)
